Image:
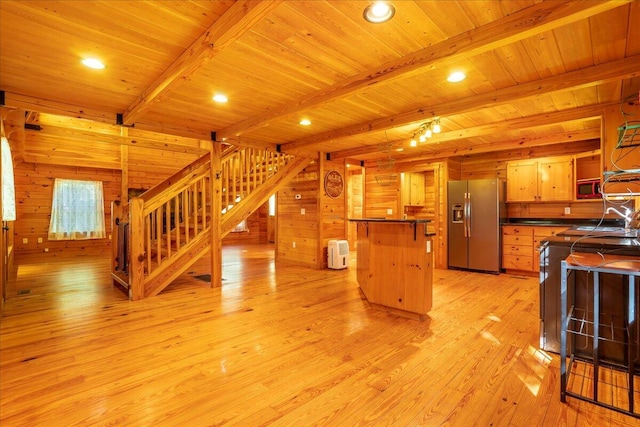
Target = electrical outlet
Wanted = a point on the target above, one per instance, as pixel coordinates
(46, 249)
(302, 211)
(39, 239)
(25, 241)
(294, 244)
(389, 211)
(428, 246)
(567, 211)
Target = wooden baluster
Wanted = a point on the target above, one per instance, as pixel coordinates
(176, 215)
(194, 193)
(234, 178)
(116, 216)
(147, 244)
(158, 219)
(185, 211)
(203, 188)
(167, 227)
(255, 166)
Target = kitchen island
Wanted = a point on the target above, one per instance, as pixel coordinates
(395, 265)
(589, 311)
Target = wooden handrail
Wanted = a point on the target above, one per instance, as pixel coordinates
(172, 222)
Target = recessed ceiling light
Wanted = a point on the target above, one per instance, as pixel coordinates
(378, 12)
(456, 76)
(305, 122)
(218, 97)
(94, 63)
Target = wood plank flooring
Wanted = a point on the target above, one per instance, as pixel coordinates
(277, 345)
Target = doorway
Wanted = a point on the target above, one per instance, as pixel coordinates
(355, 197)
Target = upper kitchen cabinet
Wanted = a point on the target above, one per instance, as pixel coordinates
(540, 180)
(413, 189)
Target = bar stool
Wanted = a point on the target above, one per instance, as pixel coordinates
(596, 263)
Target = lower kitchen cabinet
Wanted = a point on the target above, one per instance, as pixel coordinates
(520, 246)
(517, 248)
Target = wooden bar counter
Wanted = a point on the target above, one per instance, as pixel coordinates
(395, 265)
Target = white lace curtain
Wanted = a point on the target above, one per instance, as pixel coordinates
(77, 211)
(8, 188)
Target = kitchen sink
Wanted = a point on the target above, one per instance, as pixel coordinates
(589, 230)
(600, 229)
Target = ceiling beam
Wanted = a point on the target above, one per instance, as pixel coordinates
(586, 77)
(471, 149)
(528, 22)
(69, 134)
(520, 123)
(236, 21)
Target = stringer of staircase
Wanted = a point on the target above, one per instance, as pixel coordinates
(164, 231)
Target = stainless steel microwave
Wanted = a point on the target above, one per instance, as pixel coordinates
(588, 189)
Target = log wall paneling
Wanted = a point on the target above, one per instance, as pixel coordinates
(333, 210)
(34, 195)
(44, 148)
(381, 193)
(295, 227)
(257, 226)
(148, 167)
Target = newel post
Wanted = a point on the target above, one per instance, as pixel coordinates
(216, 215)
(116, 217)
(136, 264)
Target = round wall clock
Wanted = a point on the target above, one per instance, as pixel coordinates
(333, 183)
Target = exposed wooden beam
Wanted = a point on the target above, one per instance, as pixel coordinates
(586, 77)
(528, 22)
(471, 149)
(238, 19)
(13, 120)
(520, 123)
(70, 134)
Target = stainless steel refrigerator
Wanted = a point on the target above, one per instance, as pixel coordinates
(476, 210)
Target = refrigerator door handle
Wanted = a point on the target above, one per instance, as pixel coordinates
(467, 215)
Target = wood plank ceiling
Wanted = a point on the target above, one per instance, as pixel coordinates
(538, 72)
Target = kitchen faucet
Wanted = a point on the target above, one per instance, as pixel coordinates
(626, 215)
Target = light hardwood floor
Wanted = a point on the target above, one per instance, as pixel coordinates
(277, 345)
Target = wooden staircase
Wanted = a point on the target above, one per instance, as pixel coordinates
(160, 234)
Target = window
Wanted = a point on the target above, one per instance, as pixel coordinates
(77, 211)
(272, 205)
(241, 227)
(8, 189)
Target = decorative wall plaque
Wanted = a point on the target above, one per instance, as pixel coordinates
(333, 183)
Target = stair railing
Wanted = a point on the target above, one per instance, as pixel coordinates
(171, 222)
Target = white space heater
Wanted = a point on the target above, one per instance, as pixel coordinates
(338, 254)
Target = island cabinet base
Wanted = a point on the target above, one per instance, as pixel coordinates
(395, 266)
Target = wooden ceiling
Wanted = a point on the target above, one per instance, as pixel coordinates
(538, 72)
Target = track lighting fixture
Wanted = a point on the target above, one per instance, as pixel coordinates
(425, 131)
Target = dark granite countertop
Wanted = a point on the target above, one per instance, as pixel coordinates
(556, 222)
(408, 221)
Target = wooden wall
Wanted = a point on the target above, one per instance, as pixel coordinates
(46, 155)
(303, 237)
(297, 233)
(257, 229)
(382, 193)
(333, 209)
(34, 194)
